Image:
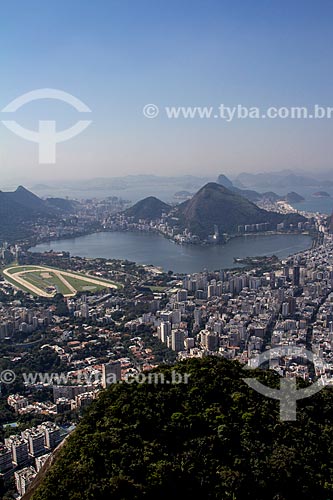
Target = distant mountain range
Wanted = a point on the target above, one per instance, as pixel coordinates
(20, 207)
(167, 188)
(23, 201)
(284, 179)
(255, 196)
(129, 187)
(213, 205)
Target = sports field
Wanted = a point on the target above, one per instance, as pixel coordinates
(47, 282)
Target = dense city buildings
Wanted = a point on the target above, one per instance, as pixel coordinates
(64, 350)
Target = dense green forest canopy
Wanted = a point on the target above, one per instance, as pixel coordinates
(213, 438)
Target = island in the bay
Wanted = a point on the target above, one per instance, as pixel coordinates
(321, 194)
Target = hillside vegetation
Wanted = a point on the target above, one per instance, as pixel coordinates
(213, 438)
(215, 205)
(21, 207)
(149, 208)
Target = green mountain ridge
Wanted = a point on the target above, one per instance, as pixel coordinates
(293, 197)
(63, 204)
(17, 208)
(149, 208)
(215, 205)
(212, 206)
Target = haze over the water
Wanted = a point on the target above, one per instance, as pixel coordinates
(117, 56)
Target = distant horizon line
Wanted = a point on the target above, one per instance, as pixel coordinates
(234, 174)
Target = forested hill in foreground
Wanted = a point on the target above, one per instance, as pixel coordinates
(213, 438)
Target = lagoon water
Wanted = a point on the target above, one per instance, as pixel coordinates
(149, 248)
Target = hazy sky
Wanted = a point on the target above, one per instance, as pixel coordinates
(118, 55)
